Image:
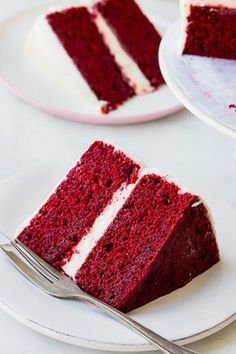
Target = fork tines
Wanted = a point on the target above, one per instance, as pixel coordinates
(36, 262)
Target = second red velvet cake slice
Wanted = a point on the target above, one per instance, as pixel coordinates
(125, 234)
(82, 41)
(98, 54)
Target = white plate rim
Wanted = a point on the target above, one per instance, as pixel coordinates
(75, 116)
(85, 343)
(193, 108)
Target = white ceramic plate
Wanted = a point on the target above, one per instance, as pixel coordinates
(18, 74)
(199, 309)
(206, 86)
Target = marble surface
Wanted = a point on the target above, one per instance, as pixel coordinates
(29, 138)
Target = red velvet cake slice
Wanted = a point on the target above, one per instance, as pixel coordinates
(136, 33)
(95, 53)
(71, 211)
(79, 36)
(125, 234)
(209, 28)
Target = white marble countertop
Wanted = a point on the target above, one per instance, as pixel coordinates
(29, 138)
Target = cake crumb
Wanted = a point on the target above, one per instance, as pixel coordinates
(233, 107)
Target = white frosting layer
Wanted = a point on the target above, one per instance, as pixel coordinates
(89, 241)
(185, 12)
(128, 66)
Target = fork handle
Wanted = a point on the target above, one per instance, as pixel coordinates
(161, 343)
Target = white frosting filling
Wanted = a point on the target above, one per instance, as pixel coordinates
(89, 241)
(185, 12)
(128, 66)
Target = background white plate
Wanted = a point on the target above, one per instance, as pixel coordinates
(19, 75)
(200, 308)
(206, 86)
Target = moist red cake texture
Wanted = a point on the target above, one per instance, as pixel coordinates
(159, 240)
(136, 33)
(80, 38)
(211, 32)
(72, 209)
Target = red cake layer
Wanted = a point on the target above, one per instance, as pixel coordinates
(136, 33)
(71, 210)
(211, 32)
(85, 45)
(159, 241)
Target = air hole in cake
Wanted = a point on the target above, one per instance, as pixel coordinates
(74, 239)
(201, 48)
(156, 180)
(65, 222)
(166, 198)
(109, 183)
(99, 292)
(108, 247)
(96, 179)
(28, 236)
(164, 253)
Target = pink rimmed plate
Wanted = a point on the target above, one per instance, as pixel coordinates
(19, 76)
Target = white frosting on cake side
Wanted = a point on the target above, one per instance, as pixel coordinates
(185, 12)
(48, 56)
(128, 66)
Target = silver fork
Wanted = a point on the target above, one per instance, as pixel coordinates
(59, 285)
